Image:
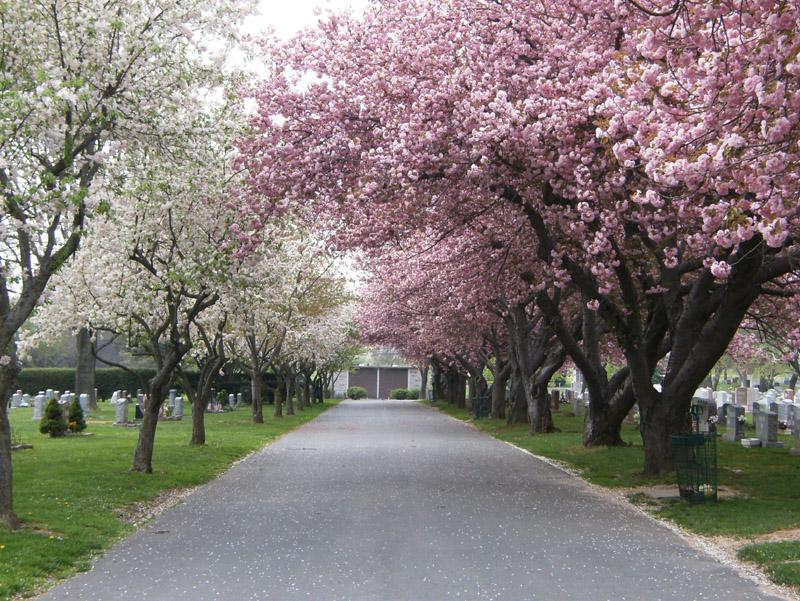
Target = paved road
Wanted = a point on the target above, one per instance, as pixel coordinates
(392, 501)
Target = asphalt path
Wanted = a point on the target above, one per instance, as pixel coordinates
(393, 501)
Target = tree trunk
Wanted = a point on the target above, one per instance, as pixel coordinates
(198, 420)
(423, 387)
(291, 388)
(539, 415)
(85, 366)
(603, 425)
(8, 375)
(143, 456)
(438, 383)
(256, 385)
(501, 376)
(280, 387)
(657, 425)
(518, 405)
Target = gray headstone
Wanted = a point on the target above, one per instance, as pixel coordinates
(26, 400)
(231, 400)
(767, 429)
(793, 416)
(577, 406)
(16, 399)
(705, 413)
(121, 411)
(723, 412)
(741, 396)
(38, 406)
(177, 409)
(239, 399)
(49, 394)
(172, 394)
(795, 450)
(735, 427)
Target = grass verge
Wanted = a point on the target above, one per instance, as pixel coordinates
(780, 560)
(766, 483)
(70, 492)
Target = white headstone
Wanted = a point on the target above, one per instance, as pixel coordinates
(121, 414)
(49, 393)
(115, 397)
(38, 406)
(84, 401)
(231, 400)
(26, 400)
(16, 399)
(177, 410)
(238, 399)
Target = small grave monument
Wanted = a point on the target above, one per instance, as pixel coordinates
(16, 400)
(239, 402)
(767, 429)
(735, 423)
(38, 406)
(26, 400)
(741, 397)
(177, 408)
(121, 412)
(172, 394)
(577, 405)
(795, 450)
(702, 409)
(83, 399)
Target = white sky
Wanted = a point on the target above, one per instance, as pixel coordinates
(287, 17)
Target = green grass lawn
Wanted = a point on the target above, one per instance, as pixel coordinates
(67, 490)
(781, 560)
(768, 480)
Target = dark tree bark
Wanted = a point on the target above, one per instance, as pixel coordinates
(291, 389)
(85, 366)
(8, 376)
(518, 403)
(501, 375)
(477, 382)
(159, 385)
(423, 388)
(256, 389)
(280, 390)
(438, 381)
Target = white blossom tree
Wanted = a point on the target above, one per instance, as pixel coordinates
(81, 81)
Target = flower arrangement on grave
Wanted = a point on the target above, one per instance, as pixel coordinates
(53, 422)
(707, 490)
(741, 419)
(77, 423)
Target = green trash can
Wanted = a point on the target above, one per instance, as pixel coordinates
(480, 406)
(695, 457)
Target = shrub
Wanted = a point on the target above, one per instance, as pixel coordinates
(399, 394)
(413, 393)
(356, 392)
(53, 422)
(76, 421)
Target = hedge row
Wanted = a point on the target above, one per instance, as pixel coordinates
(33, 379)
